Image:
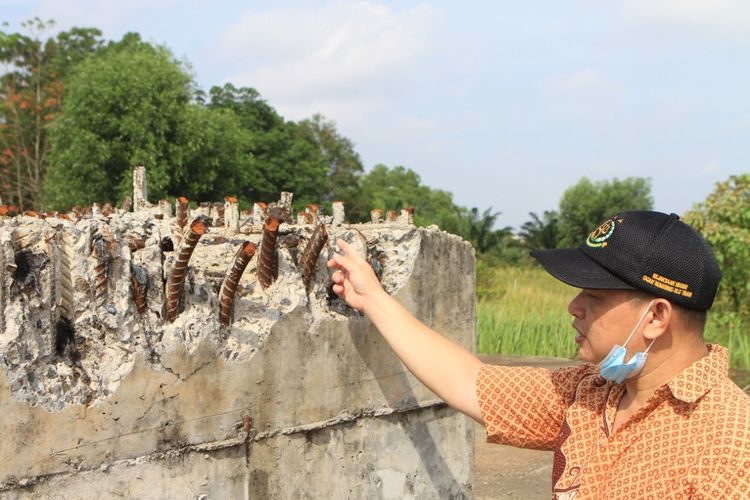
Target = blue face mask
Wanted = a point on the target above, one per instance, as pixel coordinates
(614, 368)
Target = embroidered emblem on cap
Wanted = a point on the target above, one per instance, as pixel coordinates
(599, 236)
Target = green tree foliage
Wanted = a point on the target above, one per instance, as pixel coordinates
(724, 221)
(541, 232)
(588, 203)
(344, 164)
(124, 107)
(31, 90)
(481, 232)
(284, 159)
(211, 155)
(398, 187)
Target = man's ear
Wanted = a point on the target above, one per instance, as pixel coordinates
(662, 315)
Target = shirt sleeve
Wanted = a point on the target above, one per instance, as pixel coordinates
(525, 406)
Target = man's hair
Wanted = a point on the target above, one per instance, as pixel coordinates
(690, 319)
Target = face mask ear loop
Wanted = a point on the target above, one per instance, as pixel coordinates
(643, 316)
(649, 346)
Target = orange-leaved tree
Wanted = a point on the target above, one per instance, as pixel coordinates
(31, 89)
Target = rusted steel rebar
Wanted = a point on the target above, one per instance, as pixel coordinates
(135, 243)
(313, 210)
(174, 284)
(312, 252)
(139, 282)
(268, 262)
(107, 209)
(376, 215)
(229, 286)
(102, 248)
(218, 214)
(181, 212)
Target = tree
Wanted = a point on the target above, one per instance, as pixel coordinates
(398, 188)
(246, 102)
(724, 221)
(540, 233)
(344, 164)
(31, 91)
(211, 156)
(124, 107)
(482, 233)
(284, 159)
(587, 203)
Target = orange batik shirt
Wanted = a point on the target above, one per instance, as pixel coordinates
(691, 440)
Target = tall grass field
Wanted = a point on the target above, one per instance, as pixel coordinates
(523, 310)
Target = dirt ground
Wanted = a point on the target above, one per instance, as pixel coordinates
(504, 472)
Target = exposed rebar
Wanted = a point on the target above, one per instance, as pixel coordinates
(313, 210)
(181, 212)
(311, 253)
(135, 243)
(174, 284)
(103, 247)
(229, 286)
(139, 282)
(218, 214)
(268, 263)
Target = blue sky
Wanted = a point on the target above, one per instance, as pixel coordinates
(504, 104)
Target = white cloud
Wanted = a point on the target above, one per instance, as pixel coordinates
(343, 52)
(589, 80)
(721, 16)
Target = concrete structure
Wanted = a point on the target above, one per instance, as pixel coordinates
(298, 398)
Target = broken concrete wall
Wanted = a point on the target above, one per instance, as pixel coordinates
(297, 397)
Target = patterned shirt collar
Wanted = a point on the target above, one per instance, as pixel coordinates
(696, 380)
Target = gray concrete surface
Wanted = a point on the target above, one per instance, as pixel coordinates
(298, 398)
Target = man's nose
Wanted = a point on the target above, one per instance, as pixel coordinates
(576, 307)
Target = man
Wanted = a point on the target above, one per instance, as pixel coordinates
(652, 413)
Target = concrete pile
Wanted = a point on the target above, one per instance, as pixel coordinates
(171, 352)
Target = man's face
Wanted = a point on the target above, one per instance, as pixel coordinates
(603, 318)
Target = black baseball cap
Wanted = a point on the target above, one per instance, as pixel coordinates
(641, 250)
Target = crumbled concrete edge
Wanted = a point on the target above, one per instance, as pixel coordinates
(71, 330)
(246, 436)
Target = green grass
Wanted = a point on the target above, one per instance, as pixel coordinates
(522, 310)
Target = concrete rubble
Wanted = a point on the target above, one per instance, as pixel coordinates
(99, 398)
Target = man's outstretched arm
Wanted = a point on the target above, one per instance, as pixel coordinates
(447, 368)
